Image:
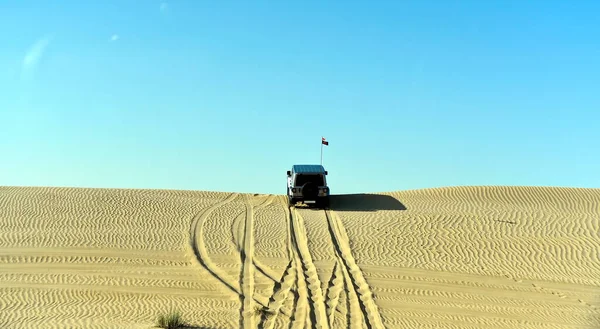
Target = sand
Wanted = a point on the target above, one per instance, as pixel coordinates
(457, 257)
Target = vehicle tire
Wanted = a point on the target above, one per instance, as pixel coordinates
(324, 203)
(310, 191)
(291, 201)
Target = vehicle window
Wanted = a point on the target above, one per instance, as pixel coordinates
(303, 179)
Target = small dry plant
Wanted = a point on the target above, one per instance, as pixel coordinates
(171, 320)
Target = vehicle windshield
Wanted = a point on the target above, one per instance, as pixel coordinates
(302, 179)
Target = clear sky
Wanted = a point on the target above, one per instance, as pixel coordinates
(227, 95)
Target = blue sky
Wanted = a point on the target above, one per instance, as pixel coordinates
(227, 95)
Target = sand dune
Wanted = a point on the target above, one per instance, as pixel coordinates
(461, 257)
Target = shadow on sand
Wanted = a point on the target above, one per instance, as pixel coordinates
(364, 202)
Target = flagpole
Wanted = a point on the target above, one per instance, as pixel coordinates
(321, 150)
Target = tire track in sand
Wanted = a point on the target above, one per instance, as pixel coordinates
(353, 273)
(335, 287)
(201, 255)
(301, 318)
(237, 231)
(281, 294)
(318, 314)
(243, 236)
(241, 233)
(247, 279)
(354, 314)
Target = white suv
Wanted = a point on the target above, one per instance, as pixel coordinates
(307, 184)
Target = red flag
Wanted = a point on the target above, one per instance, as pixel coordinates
(323, 141)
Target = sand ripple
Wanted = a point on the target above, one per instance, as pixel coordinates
(456, 257)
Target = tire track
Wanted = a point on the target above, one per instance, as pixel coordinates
(237, 230)
(336, 285)
(301, 315)
(282, 293)
(318, 314)
(354, 315)
(237, 233)
(197, 244)
(242, 233)
(247, 279)
(353, 273)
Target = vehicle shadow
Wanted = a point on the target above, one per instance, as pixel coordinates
(364, 202)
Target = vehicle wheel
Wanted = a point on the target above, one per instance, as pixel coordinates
(324, 203)
(291, 201)
(310, 191)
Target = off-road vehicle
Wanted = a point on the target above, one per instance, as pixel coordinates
(307, 184)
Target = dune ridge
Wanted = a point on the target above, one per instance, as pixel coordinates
(454, 257)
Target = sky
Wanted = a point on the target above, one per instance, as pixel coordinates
(228, 95)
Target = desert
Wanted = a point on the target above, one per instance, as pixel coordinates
(451, 257)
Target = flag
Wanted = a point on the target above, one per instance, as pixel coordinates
(323, 141)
